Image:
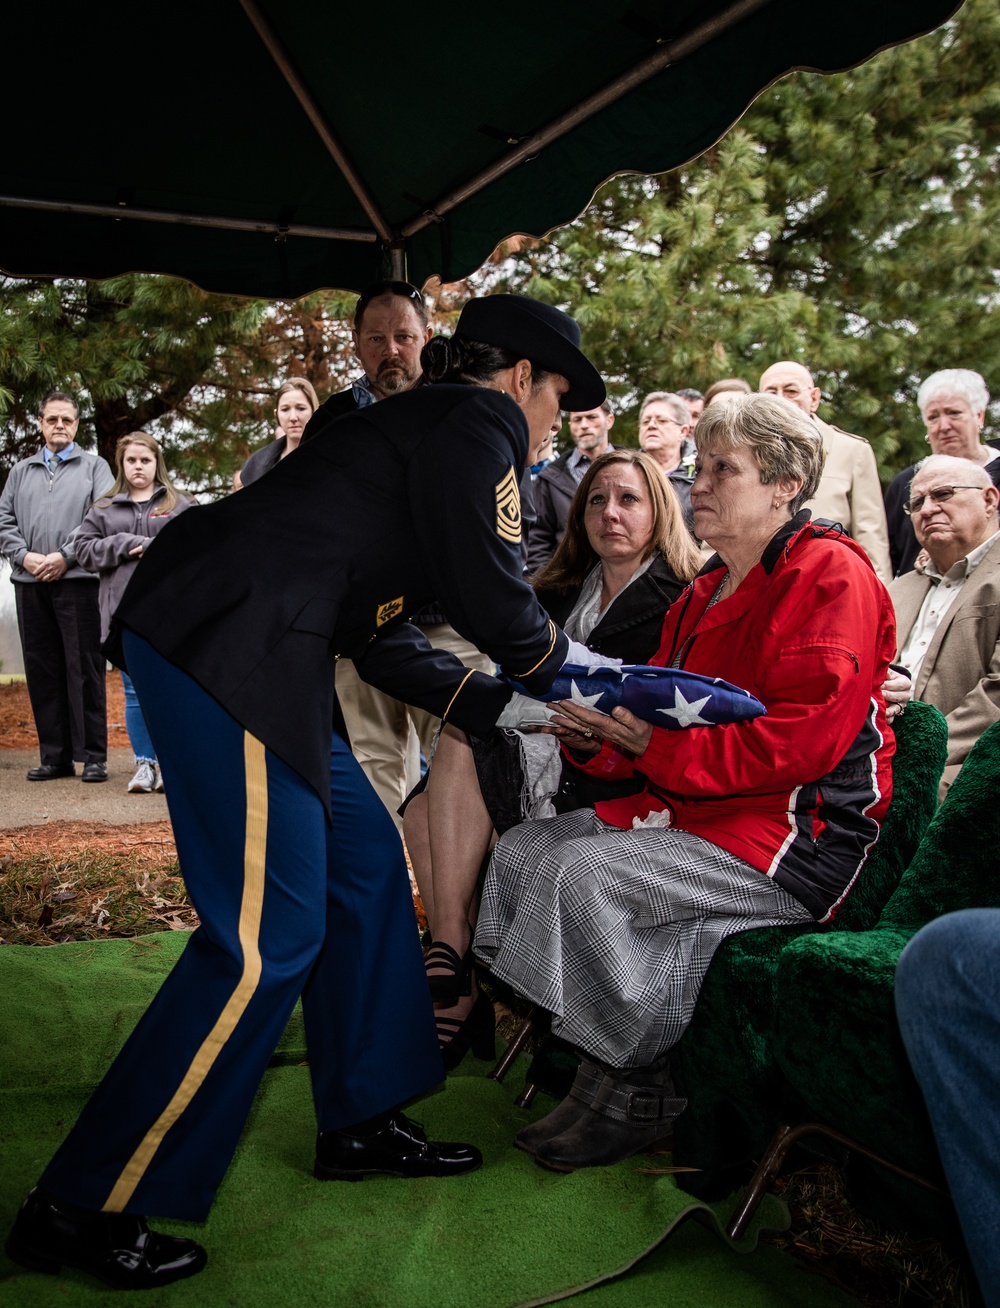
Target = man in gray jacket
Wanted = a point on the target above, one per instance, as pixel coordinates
(42, 504)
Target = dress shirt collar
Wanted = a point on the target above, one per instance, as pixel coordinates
(59, 457)
(964, 567)
(363, 393)
(577, 465)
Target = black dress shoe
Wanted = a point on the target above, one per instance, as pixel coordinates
(119, 1248)
(50, 771)
(95, 772)
(399, 1148)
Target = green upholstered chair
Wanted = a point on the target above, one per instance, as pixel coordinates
(837, 1042)
(725, 1064)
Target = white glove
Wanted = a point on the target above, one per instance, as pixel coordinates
(522, 711)
(586, 658)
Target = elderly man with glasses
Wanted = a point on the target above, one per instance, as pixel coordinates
(952, 403)
(948, 619)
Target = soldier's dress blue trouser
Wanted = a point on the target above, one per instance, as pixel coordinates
(289, 905)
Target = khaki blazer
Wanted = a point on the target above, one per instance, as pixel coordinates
(850, 493)
(960, 674)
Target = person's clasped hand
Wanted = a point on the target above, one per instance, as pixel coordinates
(45, 567)
(584, 729)
(897, 690)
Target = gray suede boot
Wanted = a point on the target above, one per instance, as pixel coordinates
(623, 1112)
(529, 1138)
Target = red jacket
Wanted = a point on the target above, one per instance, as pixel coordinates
(798, 794)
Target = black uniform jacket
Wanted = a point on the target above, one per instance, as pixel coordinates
(405, 500)
(329, 411)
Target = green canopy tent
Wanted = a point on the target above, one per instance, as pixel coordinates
(272, 147)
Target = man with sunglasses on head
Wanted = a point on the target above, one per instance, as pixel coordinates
(948, 619)
(391, 327)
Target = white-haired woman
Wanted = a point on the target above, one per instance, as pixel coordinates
(952, 403)
(609, 918)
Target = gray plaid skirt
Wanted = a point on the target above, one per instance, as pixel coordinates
(612, 931)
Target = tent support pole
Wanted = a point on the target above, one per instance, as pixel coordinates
(338, 154)
(217, 221)
(668, 53)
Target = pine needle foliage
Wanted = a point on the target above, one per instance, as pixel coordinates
(850, 222)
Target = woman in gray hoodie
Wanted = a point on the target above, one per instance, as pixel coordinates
(111, 541)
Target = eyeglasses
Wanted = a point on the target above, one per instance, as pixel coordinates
(939, 496)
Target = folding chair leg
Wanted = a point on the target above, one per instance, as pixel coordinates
(508, 1056)
(775, 1154)
(527, 1095)
(762, 1179)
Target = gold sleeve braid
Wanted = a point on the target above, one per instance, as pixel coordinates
(458, 690)
(552, 645)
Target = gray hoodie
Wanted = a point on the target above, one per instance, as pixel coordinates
(109, 532)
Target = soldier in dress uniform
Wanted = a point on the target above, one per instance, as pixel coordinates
(230, 630)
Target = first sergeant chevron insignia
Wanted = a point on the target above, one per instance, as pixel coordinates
(509, 509)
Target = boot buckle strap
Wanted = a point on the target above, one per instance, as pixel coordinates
(642, 1106)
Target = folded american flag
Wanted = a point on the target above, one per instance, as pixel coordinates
(667, 697)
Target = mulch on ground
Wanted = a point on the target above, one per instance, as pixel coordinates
(17, 726)
(90, 881)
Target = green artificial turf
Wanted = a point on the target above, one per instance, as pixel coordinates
(510, 1234)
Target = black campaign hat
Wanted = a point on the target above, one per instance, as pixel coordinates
(536, 331)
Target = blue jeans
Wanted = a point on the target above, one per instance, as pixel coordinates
(948, 1004)
(135, 724)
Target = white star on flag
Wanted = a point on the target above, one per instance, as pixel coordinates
(578, 697)
(687, 714)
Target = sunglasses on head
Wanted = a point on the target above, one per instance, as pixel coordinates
(403, 289)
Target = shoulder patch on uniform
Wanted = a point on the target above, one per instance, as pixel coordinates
(509, 509)
(390, 609)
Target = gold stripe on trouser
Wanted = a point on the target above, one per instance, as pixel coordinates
(249, 934)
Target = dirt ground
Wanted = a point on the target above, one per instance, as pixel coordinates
(17, 731)
(149, 842)
(17, 726)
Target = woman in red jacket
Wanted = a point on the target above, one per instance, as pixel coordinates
(609, 919)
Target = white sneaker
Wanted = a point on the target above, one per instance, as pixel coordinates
(144, 779)
(159, 781)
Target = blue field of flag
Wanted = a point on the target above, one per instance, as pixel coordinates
(667, 697)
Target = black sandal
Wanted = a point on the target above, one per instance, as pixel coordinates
(449, 985)
(478, 1032)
